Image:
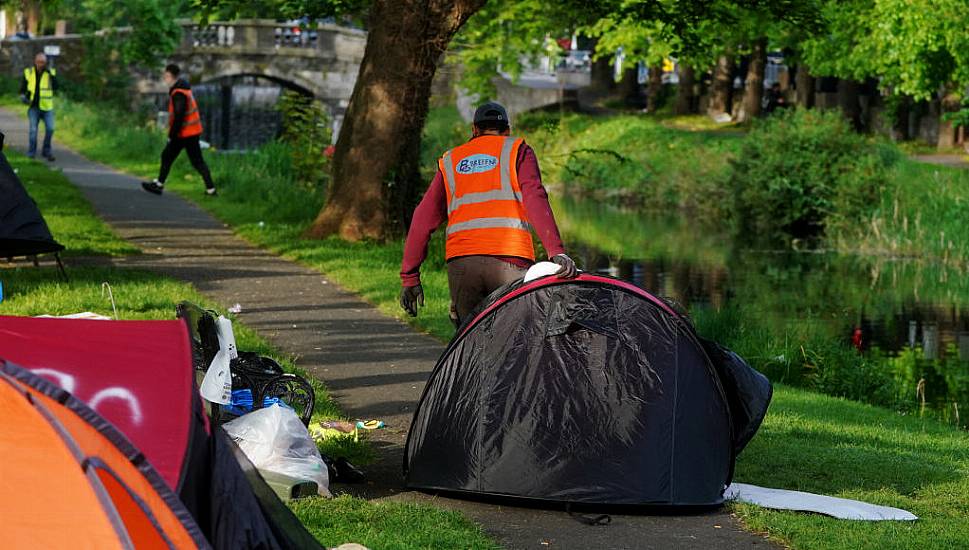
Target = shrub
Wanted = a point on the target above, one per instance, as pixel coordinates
(638, 161)
(306, 132)
(801, 173)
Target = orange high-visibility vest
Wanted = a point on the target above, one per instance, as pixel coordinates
(192, 122)
(486, 215)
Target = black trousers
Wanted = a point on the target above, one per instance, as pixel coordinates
(194, 152)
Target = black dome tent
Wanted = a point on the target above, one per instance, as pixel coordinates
(23, 231)
(588, 390)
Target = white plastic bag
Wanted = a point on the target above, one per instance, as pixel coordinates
(274, 439)
(217, 384)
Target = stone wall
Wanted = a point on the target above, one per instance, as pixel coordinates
(15, 55)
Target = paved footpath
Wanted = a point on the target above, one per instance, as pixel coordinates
(952, 161)
(374, 366)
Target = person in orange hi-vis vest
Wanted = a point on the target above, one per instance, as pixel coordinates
(184, 131)
(490, 192)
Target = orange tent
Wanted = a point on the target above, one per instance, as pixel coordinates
(69, 479)
(132, 382)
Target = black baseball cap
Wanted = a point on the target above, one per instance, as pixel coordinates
(491, 112)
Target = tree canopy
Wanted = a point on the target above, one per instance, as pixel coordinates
(913, 47)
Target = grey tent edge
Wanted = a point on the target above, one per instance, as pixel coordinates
(23, 230)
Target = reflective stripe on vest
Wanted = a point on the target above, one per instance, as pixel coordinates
(486, 212)
(46, 102)
(488, 223)
(191, 122)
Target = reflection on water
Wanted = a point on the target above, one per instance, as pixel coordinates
(915, 316)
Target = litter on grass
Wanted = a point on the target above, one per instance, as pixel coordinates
(798, 501)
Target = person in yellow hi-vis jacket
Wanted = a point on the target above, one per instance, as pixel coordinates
(37, 91)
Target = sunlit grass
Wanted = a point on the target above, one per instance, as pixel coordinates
(137, 294)
(831, 446)
(389, 525)
(809, 441)
(68, 215)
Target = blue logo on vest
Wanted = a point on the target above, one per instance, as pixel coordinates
(475, 164)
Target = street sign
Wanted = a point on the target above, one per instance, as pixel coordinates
(52, 50)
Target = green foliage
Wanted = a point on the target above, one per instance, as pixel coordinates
(913, 46)
(960, 118)
(633, 159)
(306, 130)
(118, 34)
(292, 9)
(104, 77)
(506, 33)
(922, 214)
(800, 173)
(802, 354)
(443, 130)
(153, 26)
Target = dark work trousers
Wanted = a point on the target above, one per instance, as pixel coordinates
(194, 151)
(472, 278)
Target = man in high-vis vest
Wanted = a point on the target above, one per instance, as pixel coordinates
(37, 91)
(184, 129)
(490, 192)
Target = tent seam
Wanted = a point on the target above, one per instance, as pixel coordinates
(100, 492)
(116, 438)
(96, 462)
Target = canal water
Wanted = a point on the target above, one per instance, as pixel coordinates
(913, 317)
(240, 112)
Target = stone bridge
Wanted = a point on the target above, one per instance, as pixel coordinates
(321, 61)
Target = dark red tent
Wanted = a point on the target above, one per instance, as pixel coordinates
(138, 375)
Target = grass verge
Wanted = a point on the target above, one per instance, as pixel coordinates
(809, 441)
(140, 294)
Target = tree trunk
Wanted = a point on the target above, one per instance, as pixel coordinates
(31, 9)
(684, 90)
(804, 84)
(629, 87)
(602, 81)
(754, 87)
(654, 88)
(375, 165)
(722, 87)
(848, 102)
(602, 77)
(900, 130)
(948, 135)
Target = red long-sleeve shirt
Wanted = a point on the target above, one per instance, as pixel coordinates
(432, 212)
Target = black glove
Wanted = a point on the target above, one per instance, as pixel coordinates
(24, 100)
(410, 298)
(568, 271)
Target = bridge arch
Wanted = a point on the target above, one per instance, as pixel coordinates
(285, 82)
(241, 111)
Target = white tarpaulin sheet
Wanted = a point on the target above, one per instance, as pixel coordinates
(841, 508)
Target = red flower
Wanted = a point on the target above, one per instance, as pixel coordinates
(328, 152)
